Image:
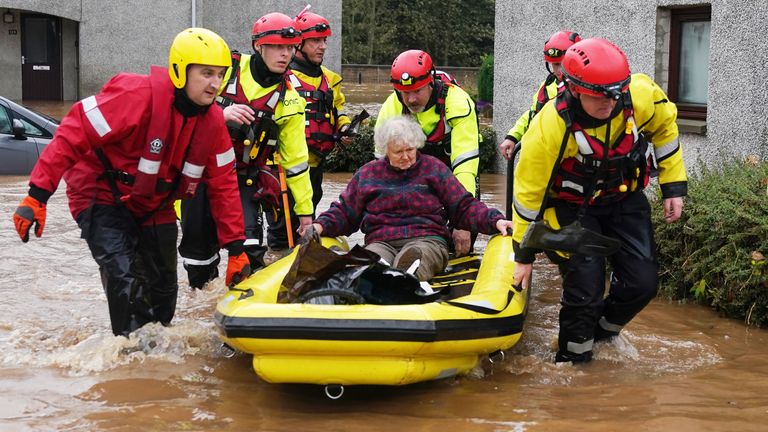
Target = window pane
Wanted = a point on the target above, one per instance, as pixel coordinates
(694, 58)
(31, 129)
(5, 122)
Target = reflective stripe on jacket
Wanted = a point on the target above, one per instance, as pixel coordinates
(289, 118)
(324, 113)
(547, 91)
(117, 120)
(605, 173)
(655, 116)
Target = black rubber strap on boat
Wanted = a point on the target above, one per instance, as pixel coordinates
(481, 309)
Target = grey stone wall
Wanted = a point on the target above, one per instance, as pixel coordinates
(736, 117)
(69, 66)
(69, 9)
(10, 58)
(110, 27)
(116, 36)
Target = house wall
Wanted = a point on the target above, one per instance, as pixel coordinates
(736, 117)
(115, 36)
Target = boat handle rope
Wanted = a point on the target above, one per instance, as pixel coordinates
(482, 309)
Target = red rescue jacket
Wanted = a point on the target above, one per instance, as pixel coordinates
(118, 121)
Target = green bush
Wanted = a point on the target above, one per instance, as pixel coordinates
(487, 150)
(485, 79)
(358, 153)
(350, 158)
(715, 253)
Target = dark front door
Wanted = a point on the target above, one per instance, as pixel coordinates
(40, 57)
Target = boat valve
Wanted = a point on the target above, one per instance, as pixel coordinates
(334, 391)
(496, 356)
(227, 351)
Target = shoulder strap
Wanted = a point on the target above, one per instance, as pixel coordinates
(561, 103)
(235, 67)
(442, 94)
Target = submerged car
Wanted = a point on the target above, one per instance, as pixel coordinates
(24, 133)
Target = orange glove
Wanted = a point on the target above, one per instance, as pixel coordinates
(29, 211)
(238, 268)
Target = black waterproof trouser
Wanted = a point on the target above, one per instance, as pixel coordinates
(137, 266)
(277, 233)
(587, 314)
(199, 247)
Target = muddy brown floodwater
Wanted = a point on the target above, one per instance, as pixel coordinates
(676, 368)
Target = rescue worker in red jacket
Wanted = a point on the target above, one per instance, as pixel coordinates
(447, 116)
(554, 49)
(597, 140)
(265, 115)
(325, 119)
(126, 154)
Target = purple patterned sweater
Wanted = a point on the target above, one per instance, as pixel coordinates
(387, 204)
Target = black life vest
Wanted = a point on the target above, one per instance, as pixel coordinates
(320, 114)
(628, 161)
(263, 132)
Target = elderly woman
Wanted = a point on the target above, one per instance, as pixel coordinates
(404, 201)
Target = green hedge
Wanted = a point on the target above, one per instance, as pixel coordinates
(485, 79)
(350, 158)
(715, 253)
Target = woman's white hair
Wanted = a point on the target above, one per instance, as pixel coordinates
(402, 129)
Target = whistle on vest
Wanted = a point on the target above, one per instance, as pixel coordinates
(628, 129)
(255, 149)
(248, 140)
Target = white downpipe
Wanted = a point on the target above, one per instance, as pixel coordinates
(194, 13)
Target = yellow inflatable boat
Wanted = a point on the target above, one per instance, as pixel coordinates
(332, 344)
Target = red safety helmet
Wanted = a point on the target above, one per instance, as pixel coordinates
(275, 29)
(411, 70)
(557, 44)
(312, 25)
(596, 67)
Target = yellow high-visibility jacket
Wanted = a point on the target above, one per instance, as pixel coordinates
(461, 118)
(521, 125)
(655, 116)
(292, 144)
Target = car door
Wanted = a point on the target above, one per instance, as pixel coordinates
(17, 156)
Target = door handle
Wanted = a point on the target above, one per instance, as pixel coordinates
(22, 59)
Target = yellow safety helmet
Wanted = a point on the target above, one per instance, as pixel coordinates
(196, 46)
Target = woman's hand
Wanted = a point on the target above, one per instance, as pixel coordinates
(504, 226)
(317, 228)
